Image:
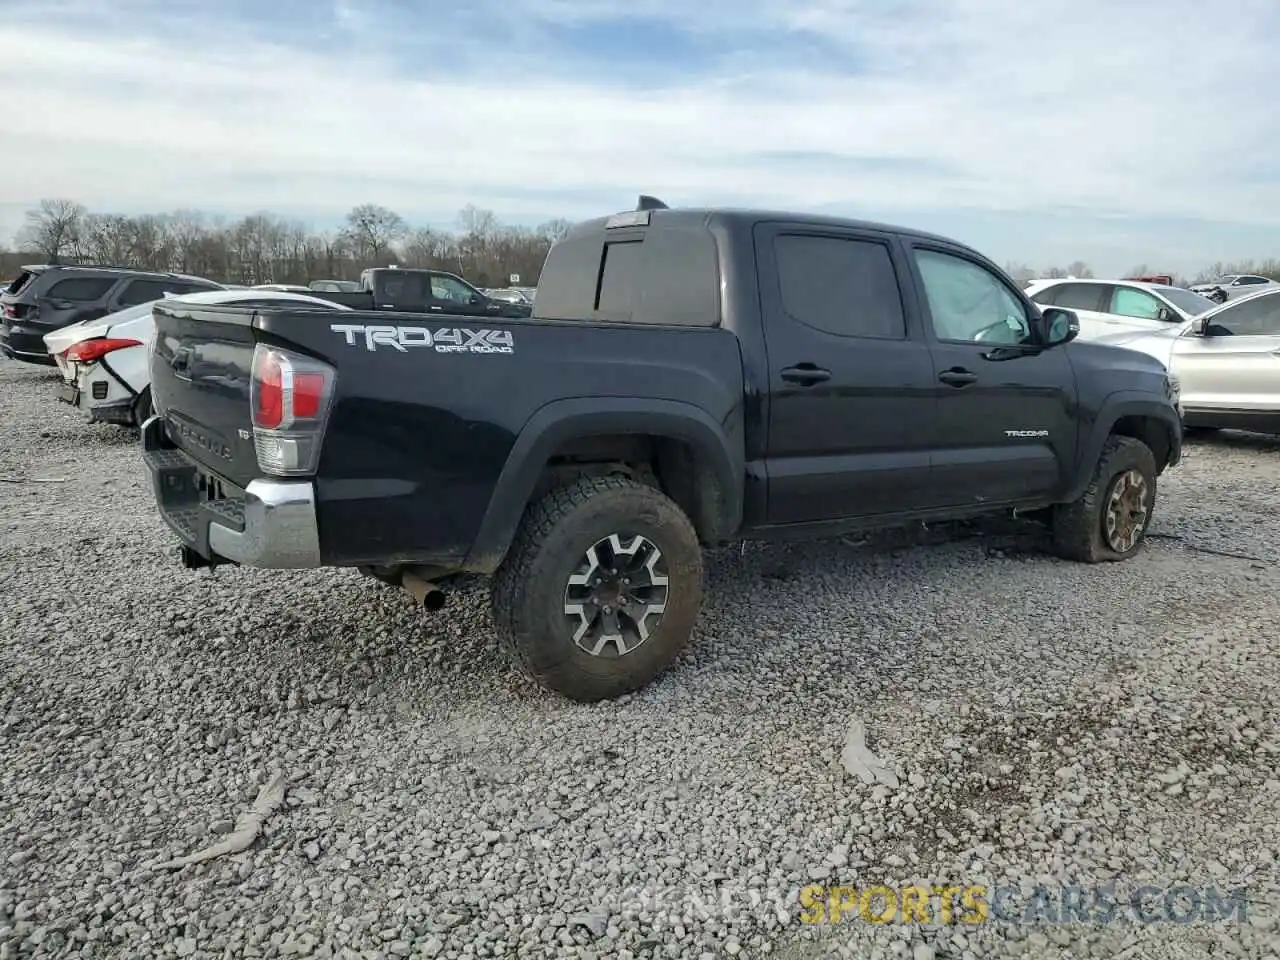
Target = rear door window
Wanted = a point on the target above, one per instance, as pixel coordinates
(1077, 296)
(185, 287)
(402, 288)
(144, 291)
(81, 289)
(840, 285)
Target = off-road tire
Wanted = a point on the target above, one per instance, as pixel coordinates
(1078, 532)
(527, 592)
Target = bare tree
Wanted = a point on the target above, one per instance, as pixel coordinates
(53, 228)
(1019, 273)
(372, 229)
(555, 230)
(1078, 268)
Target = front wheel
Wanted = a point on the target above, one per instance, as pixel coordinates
(1110, 519)
(600, 590)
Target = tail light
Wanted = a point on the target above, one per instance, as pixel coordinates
(10, 312)
(91, 351)
(291, 396)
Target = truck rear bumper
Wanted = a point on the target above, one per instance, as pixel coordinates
(270, 523)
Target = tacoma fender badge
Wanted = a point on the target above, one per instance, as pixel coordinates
(1019, 434)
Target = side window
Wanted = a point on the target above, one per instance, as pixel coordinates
(401, 287)
(1130, 302)
(1079, 296)
(969, 303)
(81, 289)
(1047, 295)
(1258, 316)
(144, 291)
(619, 279)
(1251, 281)
(447, 288)
(842, 286)
(190, 287)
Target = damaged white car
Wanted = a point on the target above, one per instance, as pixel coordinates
(103, 362)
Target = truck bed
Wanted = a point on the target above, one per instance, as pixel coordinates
(427, 411)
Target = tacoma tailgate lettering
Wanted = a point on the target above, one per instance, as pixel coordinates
(444, 340)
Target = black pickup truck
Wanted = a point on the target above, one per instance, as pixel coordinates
(688, 377)
(419, 291)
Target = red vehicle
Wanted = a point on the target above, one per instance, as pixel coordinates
(1161, 278)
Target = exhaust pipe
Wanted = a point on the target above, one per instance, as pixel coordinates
(425, 593)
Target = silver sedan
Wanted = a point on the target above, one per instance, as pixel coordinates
(1226, 362)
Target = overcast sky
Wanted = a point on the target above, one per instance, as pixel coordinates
(1118, 132)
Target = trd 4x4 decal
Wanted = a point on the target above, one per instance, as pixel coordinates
(444, 340)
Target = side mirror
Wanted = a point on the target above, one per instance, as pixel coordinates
(475, 299)
(1060, 326)
(1201, 329)
(1165, 315)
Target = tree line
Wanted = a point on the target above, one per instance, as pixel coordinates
(266, 248)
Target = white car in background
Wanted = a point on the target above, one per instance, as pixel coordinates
(104, 362)
(1235, 285)
(1107, 307)
(1226, 363)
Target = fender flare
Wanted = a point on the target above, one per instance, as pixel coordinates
(564, 420)
(1124, 403)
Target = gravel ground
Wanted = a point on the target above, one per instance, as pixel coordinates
(1045, 722)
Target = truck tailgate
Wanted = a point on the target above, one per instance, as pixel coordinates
(200, 374)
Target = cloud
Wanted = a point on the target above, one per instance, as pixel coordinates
(1083, 111)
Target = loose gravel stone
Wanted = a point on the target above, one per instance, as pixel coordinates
(439, 805)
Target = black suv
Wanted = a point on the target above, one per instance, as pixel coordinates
(49, 297)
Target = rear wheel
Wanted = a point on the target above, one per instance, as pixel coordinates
(600, 590)
(1110, 519)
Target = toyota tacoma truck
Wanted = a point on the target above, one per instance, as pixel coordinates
(688, 377)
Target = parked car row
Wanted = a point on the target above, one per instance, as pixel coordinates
(1226, 357)
(95, 323)
(45, 298)
(512, 294)
(1232, 286)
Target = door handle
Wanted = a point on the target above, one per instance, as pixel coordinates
(957, 377)
(805, 374)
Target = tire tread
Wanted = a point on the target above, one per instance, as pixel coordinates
(511, 583)
(1077, 533)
